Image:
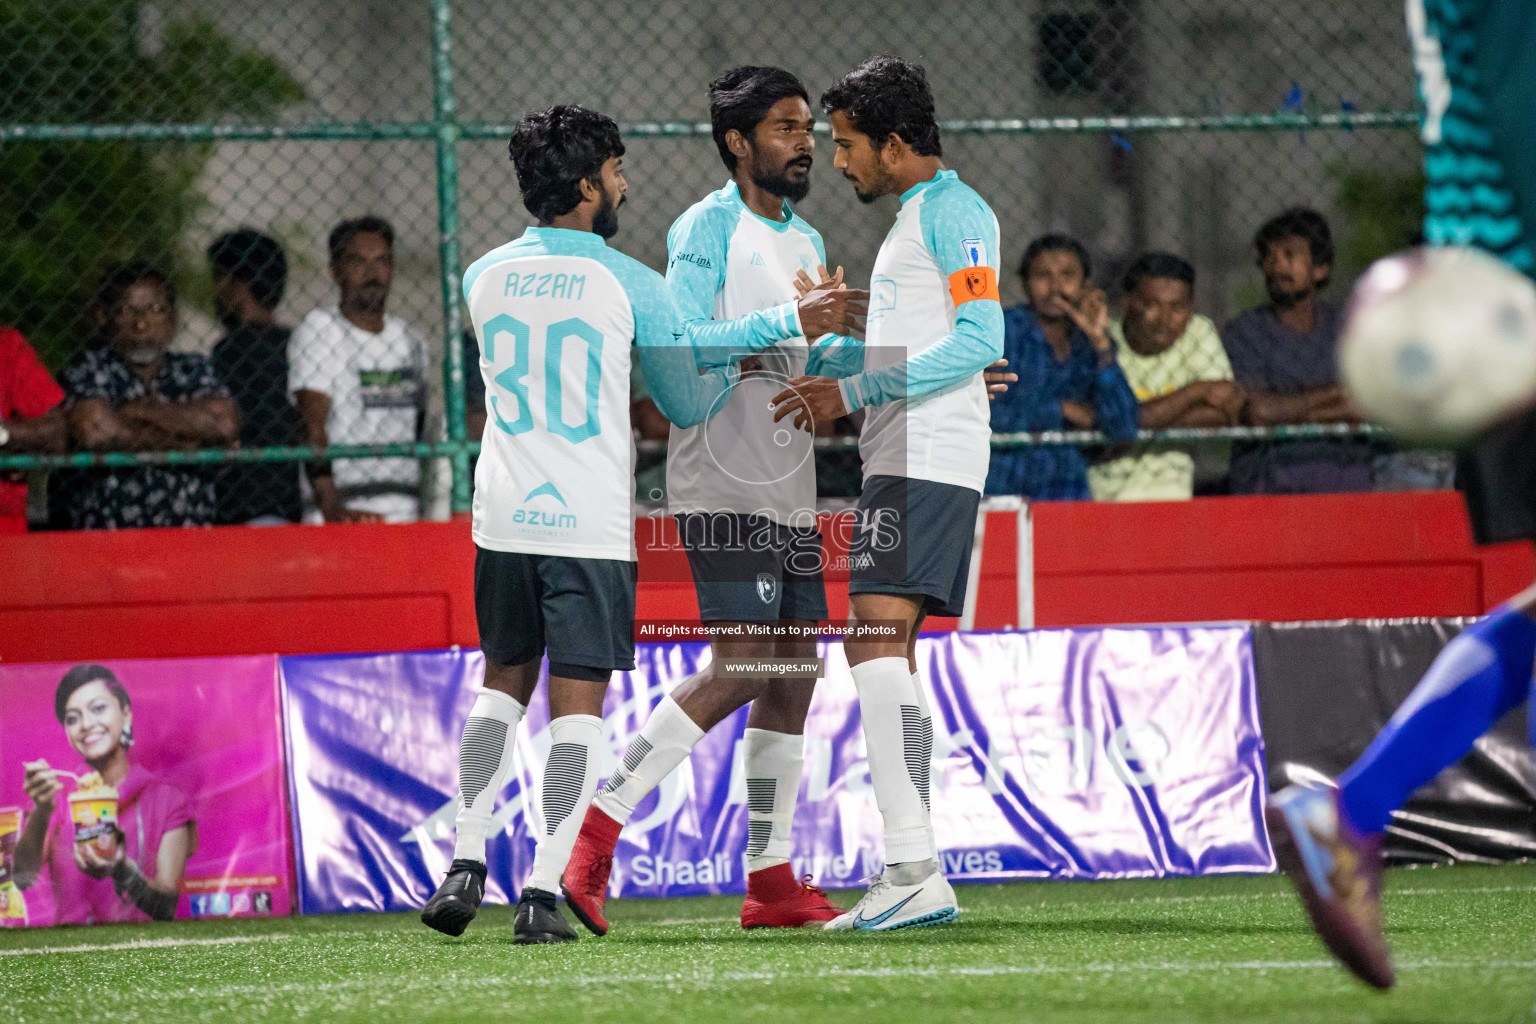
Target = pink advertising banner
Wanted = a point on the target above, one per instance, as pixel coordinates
(142, 790)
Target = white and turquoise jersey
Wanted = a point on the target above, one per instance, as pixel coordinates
(924, 351)
(556, 313)
(731, 274)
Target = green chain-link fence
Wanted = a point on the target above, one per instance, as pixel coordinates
(145, 131)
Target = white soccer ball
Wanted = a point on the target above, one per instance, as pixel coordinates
(1440, 344)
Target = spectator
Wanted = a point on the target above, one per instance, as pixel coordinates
(1283, 355)
(250, 273)
(1179, 372)
(131, 394)
(30, 421)
(1059, 344)
(358, 375)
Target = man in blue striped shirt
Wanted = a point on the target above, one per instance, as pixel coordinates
(1059, 344)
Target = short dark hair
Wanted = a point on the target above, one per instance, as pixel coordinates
(255, 260)
(1158, 264)
(343, 233)
(742, 97)
(886, 95)
(1055, 243)
(119, 277)
(555, 150)
(84, 675)
(1298, 222)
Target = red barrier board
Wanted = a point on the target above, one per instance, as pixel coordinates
(305, 589)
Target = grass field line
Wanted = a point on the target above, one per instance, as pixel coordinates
(228, 940)
(1288, 894)
(705, 979)
(673, 922)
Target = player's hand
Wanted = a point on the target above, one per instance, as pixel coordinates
(998, 380)
(41, 784)
(830, 307)
(749, 366)
(805, 284)
(1091, 315)
(811, 400)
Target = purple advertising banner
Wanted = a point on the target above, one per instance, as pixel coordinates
(172, 767)
(1104, 753)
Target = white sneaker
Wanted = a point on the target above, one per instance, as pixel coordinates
(887, 906)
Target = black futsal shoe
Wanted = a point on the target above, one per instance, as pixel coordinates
(538, 920)
(457, 900)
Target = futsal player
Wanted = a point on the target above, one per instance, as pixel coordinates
(935, 323)
(743, 491)
(1478, 80)
(557, 312)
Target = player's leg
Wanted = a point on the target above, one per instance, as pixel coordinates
(570, 770)
(911, 557)
(737, 582)
(674, 728)
(924, 745)
(1329, 841)
(773, 757)
(589, 610)
(512, 638)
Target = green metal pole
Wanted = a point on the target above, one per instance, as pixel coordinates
(445, 116)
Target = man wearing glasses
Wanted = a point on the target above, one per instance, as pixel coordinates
(130, 394)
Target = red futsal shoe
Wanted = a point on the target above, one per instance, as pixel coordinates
(585, 881)
(777, 899)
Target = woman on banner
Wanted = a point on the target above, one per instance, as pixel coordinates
(117, 847)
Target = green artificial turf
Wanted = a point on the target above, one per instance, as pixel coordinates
(1215, 949)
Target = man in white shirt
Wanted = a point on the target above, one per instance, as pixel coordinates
(744, 493)
(935, 324)
(358, 376)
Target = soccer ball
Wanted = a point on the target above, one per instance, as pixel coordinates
(1440, 344)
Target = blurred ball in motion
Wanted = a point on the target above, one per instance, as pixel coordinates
(1440, 344)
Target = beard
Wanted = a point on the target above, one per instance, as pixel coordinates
(369, 297)
(1282, 299)
(780, 184)
(605, 223)
(880, 186)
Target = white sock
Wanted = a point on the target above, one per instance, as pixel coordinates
(485, 760)
(926, 711)
(569, 775)
(773, 762)
(663, 742)
(888, 705)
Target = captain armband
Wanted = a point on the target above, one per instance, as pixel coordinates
(972, 283)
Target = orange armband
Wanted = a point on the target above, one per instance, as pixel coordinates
(974, 283)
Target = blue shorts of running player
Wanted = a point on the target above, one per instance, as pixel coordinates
(914, 537)
(581, 611)
(748, 568)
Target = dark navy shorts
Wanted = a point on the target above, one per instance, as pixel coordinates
(752, 569)
(580, 610)
(914, 537)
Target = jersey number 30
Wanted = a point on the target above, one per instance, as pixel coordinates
(513, 380)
